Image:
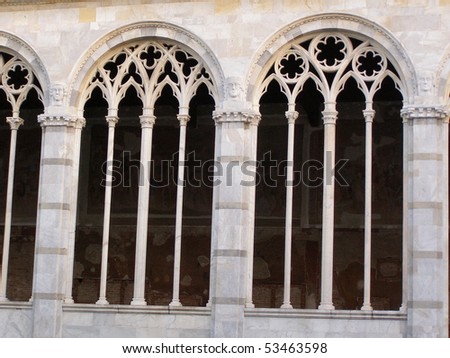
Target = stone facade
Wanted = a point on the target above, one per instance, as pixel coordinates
(317, 82)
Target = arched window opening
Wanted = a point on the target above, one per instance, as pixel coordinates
(20, 148)
(153, 220)
(329, 233)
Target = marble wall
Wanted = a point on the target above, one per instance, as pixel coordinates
(62, 41)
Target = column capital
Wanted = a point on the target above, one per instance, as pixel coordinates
(183, 119)
(255, 119)
(80, 123)
(369, 115)
(291, 116)
(14, 122)
(47, 120)
(424, 112)
(236, 117)
(147, 120)
(329, 116)
(112, 120)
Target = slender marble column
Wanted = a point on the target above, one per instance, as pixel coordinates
(183, 118)
(291, 117)
(73, 205)
(14, 123)
(405, 231)
(112, 120)
(147, 122)
(369, 114)
(254, 122)
(329, 120)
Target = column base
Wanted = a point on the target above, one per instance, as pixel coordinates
(69, 301)
(249, 305)
(175, 304)
(326, 306)
(287, 306)
(4, 299)
(138, 302)
(367, 307)
(102, 301)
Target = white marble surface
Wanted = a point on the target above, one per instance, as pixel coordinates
(15, 320)
(229, 37)
(126, 321)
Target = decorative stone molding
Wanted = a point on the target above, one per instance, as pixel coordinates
(46, 120)
(424, 112)
(235, 117)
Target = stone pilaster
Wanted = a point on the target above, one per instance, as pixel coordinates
(427, 227)
(232, 221)
(55, 209)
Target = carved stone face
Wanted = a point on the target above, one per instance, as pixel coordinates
(426, 83)
(234, 88)
(58, 92)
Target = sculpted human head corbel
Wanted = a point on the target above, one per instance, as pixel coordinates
(57, 94)
(234, 89)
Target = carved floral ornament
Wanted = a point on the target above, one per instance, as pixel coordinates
(149, 67)
(17, 80)
(329, 60)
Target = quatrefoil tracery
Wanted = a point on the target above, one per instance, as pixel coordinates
(16, 80)
(149, 67)
(329, 60)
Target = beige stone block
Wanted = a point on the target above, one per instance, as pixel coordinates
(222, 6)
(262, 5)
(88, 15)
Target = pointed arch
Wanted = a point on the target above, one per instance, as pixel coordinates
(148, 30)
(15, 46)
(351, 25)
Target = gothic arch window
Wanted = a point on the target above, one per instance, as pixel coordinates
(144, 207)
(21, 101)
(328, 227)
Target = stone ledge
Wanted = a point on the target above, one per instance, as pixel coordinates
(16, 305)
(328, 314)
(182, 310)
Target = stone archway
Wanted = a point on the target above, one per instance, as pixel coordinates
(135, 32)
(298, 42)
